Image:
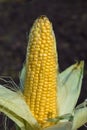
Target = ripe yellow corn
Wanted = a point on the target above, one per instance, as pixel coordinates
(41, 71)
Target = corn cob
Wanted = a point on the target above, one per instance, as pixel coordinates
(41, 71)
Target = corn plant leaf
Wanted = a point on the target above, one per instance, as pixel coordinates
(69, 87)
(14, 106)
(60, 126)
(80, 115)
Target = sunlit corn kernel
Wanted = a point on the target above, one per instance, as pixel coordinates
(36, 116)
(37, 106)
(41, 85)
(42, 47)
(43, 37)
(41, 23)
(32, 106)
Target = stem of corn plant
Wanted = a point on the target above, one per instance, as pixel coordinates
(40, 85)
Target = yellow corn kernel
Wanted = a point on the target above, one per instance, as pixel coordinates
(41, 72)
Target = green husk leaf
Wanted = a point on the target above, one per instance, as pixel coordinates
(69, 87)
(22, 77)
(13, 117)
(60, 126)
(15, 107)
(67, 117)
(80, 115)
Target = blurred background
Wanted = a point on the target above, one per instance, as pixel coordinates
(69, 20)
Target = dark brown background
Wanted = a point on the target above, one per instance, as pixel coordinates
(69, 20)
